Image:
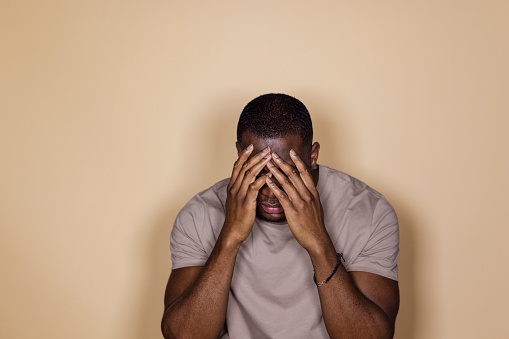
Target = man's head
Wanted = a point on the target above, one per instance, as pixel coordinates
(282, 123)
(272, 116)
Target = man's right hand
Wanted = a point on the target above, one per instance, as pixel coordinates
(242, 193)
(198, 295)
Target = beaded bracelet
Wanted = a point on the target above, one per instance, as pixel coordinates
(340, 256)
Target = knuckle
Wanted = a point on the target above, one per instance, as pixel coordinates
(248, 172)
(252, 187)
(232, 191)
(245, 165)
(294, 172)
(288, 181)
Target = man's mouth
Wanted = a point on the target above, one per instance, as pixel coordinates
(272, 209)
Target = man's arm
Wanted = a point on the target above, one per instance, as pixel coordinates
(197, 297)
(356, 305)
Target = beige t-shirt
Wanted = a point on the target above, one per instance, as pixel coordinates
(272, 291)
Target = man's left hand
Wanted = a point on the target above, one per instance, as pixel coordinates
(300, 201)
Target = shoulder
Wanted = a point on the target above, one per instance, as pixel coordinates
(341, 187)
(212, 198)
(361, 222)
(341, 191)
(197, 226)
(205, 210)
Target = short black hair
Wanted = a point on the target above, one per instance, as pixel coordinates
(275, 116)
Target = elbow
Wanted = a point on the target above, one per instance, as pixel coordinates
(377, 327)
(383, 329)
(385, 333)
(176, 326)
(168, 326)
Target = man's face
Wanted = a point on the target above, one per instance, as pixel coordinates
(268, 207)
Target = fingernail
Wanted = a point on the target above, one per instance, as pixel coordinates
(266, 150)
(274, 154)
(269, 179)
(249, 148)
(270, 164)
(292, 152)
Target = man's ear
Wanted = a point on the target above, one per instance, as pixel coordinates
(315, 150)
(239, 150)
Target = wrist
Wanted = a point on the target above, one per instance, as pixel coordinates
(322, 248)
(228, 241)
(321, 283)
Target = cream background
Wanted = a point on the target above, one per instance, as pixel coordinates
(114, 113)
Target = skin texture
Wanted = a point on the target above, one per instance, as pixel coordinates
(278, 172)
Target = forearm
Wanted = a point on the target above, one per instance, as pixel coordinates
(201, 311)
(347, 313)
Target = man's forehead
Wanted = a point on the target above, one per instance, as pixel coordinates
(288, 141)
(282, 149)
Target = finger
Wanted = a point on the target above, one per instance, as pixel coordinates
(241, 165)
(288, 187)
(281, 196)
(293, 174)
(254, 188)
(237, 166)
(247, 168)
(251, 174)
(304, 171)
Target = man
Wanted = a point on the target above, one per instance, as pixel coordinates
(257, 256)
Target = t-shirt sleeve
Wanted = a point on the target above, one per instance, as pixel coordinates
(381, 253)
(185, 244)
